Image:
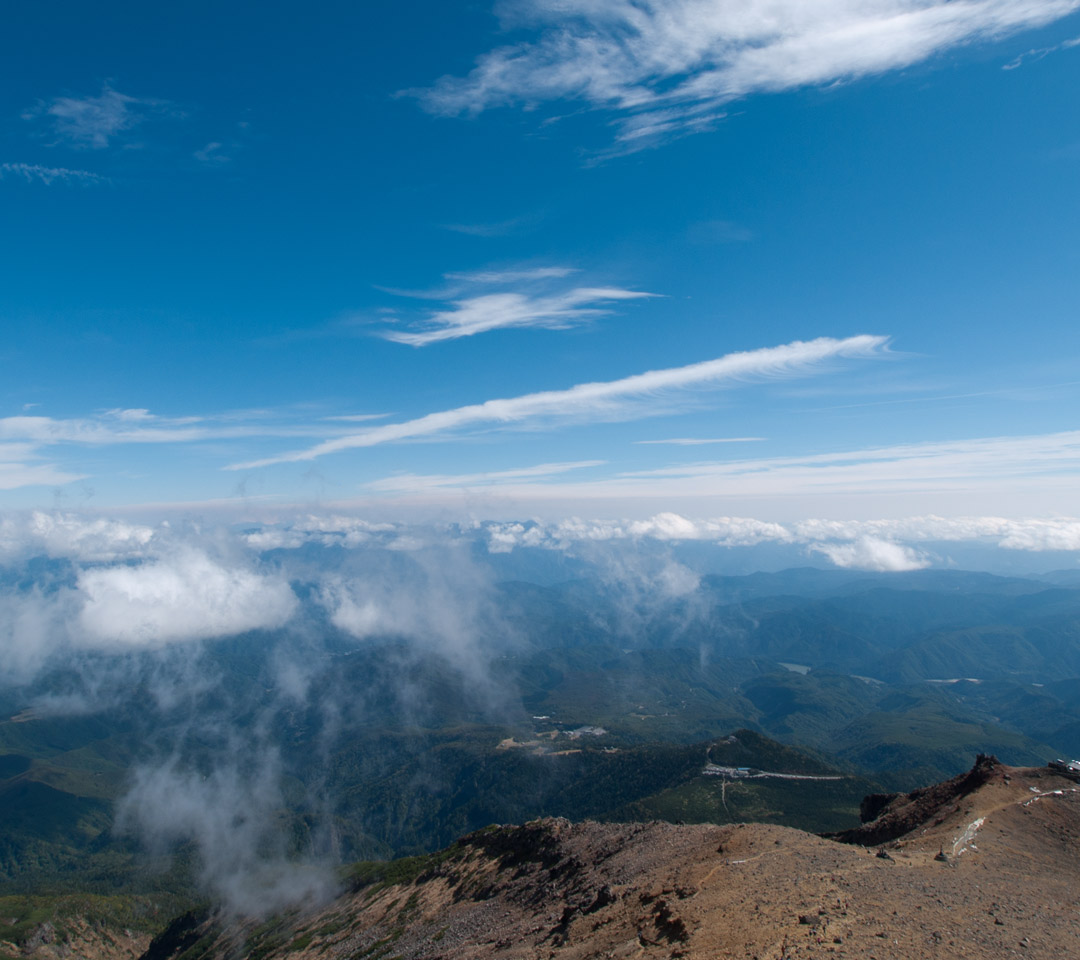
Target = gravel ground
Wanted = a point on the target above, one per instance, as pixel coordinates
(991, 873)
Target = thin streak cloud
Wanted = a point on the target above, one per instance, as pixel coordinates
(608, 400)
(139, 426)
(411, 482)
(35, 172)
(699, 441)
(998, 473)
(513, 276)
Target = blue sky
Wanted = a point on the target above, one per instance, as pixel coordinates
(288, 254)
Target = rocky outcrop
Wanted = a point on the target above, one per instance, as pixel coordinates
(989, 870)
(887, 817)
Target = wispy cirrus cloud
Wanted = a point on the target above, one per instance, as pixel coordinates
(93, 122)
(1032, 56)
(513, 275)
(1008, 474)
(412, 483)
(127, 426)
(495, 311)
(26, 442)
(611, 400)
(537, 301)
(499, 228)
(698, 441)
(20, 466)
(35, 172)
(111, 427)
(669, 67)
(937, 464)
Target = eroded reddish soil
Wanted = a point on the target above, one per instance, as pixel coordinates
(993, 871)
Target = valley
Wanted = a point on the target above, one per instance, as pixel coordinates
(583, 709)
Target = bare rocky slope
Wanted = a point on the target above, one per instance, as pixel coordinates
(77, 939)
(986, 865)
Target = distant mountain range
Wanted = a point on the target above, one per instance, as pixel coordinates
(589, 701)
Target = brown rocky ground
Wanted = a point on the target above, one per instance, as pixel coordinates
(983, 869)
(78, 940)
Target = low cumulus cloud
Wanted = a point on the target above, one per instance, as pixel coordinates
(187, 596)
(118, 610)
(845, 542)
(76, 537)
(870, 553)
(112, 585)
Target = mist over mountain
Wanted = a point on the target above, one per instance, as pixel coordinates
(238, 710)
(457, 456)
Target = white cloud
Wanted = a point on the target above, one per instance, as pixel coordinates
(431, 592)
(332, 531)
(1038, 54)
(870, 553)
(358, 417)
(513, 275)
(1031, 475)
(857, 543)
(80, 430)
(729, 531)
(91, 539)
(31, 172)
(1032, 533)
(115, 426)
(187, 596)
(23, 438)
(699, 441)
(93, 122)
(493, 311)
(501, 228)
(32, 626)
(613, 399)
(212, 155)
(131, 586)
(410, 482)
(1038, 535)
(14, 475)
(230, 816)
(670, 66)
(943, 465)
(666, 526)
(136, 415)
(1016, 533)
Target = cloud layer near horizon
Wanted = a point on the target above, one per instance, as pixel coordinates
(1025, 473)
(669, 67)
(116, 587)
(119, 606)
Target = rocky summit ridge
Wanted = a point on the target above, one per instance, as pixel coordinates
(985, 865)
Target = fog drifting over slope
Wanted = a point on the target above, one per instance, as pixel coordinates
(74, 583)
(115, 606)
